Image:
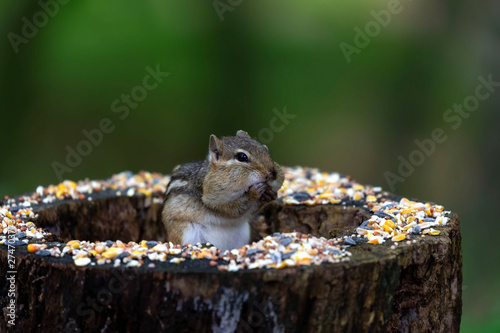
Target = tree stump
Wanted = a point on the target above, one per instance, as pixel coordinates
(413, 287)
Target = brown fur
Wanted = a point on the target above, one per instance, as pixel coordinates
(219, 185)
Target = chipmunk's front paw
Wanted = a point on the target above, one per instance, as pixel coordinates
(268, 195)
(257, 190)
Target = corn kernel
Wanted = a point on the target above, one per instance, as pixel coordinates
(398, 238)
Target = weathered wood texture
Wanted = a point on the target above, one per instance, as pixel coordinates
(415, 288)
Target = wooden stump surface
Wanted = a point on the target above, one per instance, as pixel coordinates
(413, 288)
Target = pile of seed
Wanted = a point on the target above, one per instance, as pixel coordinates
(308, 186)
(394, 220)
(124, 183)
(391, 220)
(131, 254)
(276, 251)
(401, 220)
(285, 250)
(17, 229)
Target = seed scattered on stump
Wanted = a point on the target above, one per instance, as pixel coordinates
(390, 220)
(43, 253)
(350, 241)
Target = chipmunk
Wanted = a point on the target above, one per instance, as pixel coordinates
(213, 200)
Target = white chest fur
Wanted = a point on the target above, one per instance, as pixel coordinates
(223, 233)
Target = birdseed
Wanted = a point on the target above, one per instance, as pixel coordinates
(391, 220)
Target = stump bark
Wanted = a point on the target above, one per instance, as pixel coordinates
(412, 288)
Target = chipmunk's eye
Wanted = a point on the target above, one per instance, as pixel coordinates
(242, 157)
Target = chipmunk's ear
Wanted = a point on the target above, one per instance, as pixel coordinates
(243, 134)
(215, 148)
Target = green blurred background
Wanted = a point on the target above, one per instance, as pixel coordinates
(230, 74)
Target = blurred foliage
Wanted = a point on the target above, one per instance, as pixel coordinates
(356, 118)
